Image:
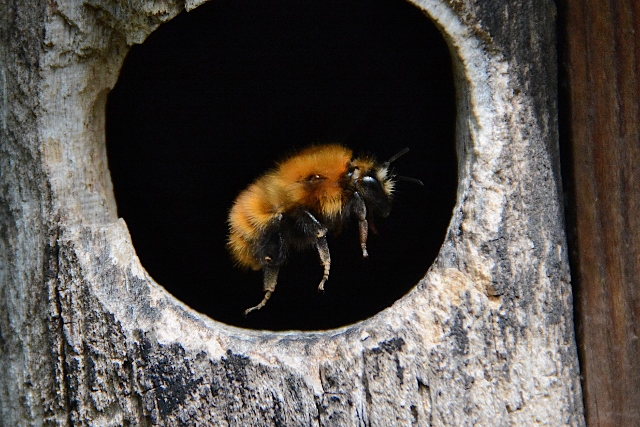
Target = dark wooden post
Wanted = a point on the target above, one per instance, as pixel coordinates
(601, 71)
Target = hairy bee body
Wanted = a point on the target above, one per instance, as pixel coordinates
(295, 205)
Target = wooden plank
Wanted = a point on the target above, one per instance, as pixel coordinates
(601, 69)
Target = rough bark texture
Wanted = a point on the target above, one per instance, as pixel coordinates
(87, 337)
(602, 56)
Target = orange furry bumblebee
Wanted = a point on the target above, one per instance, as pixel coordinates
(296, 204)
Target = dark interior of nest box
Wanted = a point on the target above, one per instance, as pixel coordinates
(213, 98)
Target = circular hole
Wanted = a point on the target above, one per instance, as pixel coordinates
(213, 98)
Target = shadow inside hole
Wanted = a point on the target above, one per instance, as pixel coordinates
(214, 97)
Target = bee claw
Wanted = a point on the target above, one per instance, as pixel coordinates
(325, 277)
(267, 295)
(365, 253)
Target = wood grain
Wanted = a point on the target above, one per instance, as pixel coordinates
(88, 338)
(601, 55)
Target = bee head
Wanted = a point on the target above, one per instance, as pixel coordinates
(373, 182)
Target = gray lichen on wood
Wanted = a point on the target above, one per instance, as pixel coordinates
(88, 338)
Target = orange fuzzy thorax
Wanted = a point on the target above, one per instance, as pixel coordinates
(323, 195)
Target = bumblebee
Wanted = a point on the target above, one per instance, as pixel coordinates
(295, 205)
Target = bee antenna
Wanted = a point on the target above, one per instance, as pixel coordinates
(401, 177)
(409, 179)
(395, 156)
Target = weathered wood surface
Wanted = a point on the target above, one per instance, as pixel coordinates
(601, 58)
(87, 338)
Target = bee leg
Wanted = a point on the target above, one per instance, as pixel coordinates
(325, 258)
(270, 281)
(360, 209)
(320, 231)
